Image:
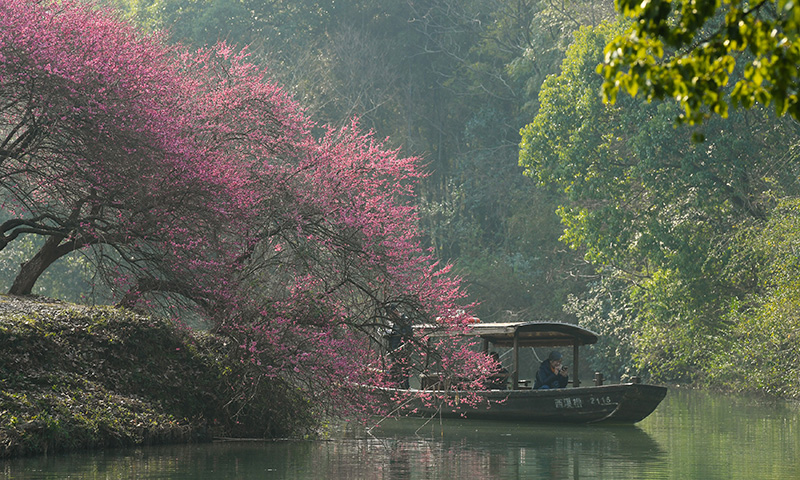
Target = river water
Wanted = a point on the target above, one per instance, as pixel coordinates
(692, 435)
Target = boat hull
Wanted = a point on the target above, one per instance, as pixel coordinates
(620, 403)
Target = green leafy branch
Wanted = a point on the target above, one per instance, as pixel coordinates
(663, 55)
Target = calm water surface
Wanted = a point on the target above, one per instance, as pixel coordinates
(692, 435)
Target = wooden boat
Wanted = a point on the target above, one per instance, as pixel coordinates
(617, 403)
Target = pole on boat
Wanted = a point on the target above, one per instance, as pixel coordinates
(516, 360)
(576, 382)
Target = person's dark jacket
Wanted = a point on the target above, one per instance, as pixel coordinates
(545, 376)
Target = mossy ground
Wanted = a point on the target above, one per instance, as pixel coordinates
(74, 377)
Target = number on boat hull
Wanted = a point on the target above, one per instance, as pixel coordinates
(576, 402)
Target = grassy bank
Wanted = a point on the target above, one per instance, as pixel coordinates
(74, 377)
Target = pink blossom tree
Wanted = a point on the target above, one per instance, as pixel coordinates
(190, 176)
(92, 144)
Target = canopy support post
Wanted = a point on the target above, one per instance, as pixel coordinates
(576, 382)
(515, 385)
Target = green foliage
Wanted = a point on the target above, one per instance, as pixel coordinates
(655, 211)
(689, 49)
(648, 329)
(762, 352)
(605, 308)
(674, 332)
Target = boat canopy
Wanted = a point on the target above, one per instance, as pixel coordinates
(516, 335)
(528, 334)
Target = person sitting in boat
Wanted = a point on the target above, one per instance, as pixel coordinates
(497, 380)
(551, 374)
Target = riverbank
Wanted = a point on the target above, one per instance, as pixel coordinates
(75, 377)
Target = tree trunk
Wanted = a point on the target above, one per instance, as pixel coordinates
(31, 270)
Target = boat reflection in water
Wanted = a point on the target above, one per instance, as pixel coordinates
(488, 449)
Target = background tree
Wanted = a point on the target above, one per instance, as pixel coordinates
(761, 351)
(499, 229)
